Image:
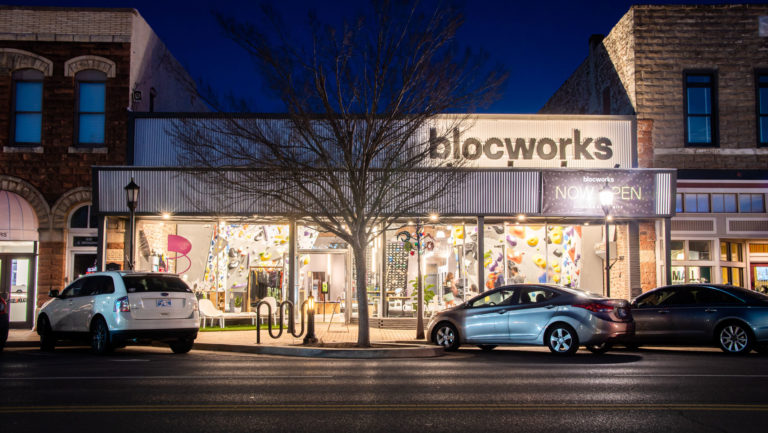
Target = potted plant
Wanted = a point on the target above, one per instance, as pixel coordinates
(238, 303)
(428, 293)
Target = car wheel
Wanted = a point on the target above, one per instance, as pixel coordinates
(562, 339)
(183, 345)
(734, 338)
(100, 339)
(486, 347)
(447, 336)
(47, 340)
(599, 348)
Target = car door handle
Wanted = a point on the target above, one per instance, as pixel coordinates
(663, 311)
(549, 307)
(710, 310)
(502, 311)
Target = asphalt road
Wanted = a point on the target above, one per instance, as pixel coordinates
(147, 389)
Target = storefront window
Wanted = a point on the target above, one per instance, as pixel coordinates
(733, 275)
(323, 272)
(699, 274)
(698, 250)
(678, 250)
(691, 274)
(233, 264)
(731, 251)
(449, 248)
(533, 253)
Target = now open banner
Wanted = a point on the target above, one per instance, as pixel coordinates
(576, 192)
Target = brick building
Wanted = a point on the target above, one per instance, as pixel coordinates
(68, 79)
(696, 77)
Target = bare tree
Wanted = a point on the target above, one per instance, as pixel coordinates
(352, 151)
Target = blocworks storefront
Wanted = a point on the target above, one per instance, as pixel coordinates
(527, 211)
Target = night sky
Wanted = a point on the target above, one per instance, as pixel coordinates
(540, 42)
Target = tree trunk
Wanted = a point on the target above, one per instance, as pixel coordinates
(363, 331)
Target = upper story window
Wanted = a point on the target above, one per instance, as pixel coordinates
(724, 203)
(761, 99)
(751, 203)
(83, 218)
(91, 103)
(27, 107)
(696, 203)
(700, 100)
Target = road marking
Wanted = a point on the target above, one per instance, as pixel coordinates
(166, 377)
(413, 407)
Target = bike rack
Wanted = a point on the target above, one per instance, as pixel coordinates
(281, 310)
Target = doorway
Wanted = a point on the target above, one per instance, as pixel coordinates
(17, 284)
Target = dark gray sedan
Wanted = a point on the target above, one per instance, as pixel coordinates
(733, 318)
(534, 314)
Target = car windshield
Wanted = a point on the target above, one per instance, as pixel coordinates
(154, 283)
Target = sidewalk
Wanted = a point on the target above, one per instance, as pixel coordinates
(388, 343)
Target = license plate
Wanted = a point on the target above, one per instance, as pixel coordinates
(163, 302)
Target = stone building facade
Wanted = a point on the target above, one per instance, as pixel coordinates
(695, 77)
(68, 79)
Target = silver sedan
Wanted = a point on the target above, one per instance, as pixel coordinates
(534, 314)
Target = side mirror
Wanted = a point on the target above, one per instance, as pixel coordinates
(633, 305)
(53, 293)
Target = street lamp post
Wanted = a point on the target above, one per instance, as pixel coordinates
(606, 201)
(132, 200)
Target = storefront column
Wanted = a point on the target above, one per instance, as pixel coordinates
(382, 270)
(667, 222)
(480, 250)
(101, 247)
(292, 261)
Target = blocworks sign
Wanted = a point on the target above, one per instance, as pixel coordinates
(538, 142)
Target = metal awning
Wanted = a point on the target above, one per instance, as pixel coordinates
(18, 221)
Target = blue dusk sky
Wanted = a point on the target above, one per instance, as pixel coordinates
(540, 42)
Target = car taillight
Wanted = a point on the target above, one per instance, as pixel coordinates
(595, 307)
(122, 304)
(194, 305)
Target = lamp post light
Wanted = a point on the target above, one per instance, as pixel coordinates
(606, 201)
(310, 338)
(132, 201)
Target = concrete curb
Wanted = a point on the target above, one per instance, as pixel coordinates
(403, 351)
(406, 351)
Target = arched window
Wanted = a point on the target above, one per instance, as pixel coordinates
(27, 107)
(83, 218)
(91, 107)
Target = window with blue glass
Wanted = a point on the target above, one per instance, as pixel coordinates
(91, 103)
(27, 107)
(700, 100)
(762, 108)
(751, 203)
(724, 203)
(696, 203)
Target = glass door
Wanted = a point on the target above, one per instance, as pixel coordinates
(17, 281)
